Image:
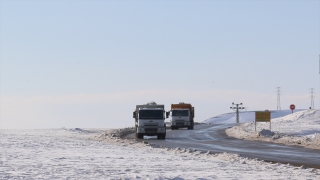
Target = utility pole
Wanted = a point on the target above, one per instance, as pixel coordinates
(237, 107)
(278, 98)
(312, 98)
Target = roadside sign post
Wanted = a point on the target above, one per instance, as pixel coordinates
(262, 116)
(292, 107)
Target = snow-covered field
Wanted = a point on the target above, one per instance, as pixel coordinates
(301, 128)
(101, 154)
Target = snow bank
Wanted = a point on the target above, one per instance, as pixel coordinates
(301, 128)
(115, 133)
(78, 154)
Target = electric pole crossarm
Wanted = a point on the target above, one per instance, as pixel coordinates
(237, 108)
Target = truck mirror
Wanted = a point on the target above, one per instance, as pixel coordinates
(134, 114)
(167, 114)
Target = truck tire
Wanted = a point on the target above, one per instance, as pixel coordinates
(164, 137)
(137, 135)
(192, 125)
(161, 136)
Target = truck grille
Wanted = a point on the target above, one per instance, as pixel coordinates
(151, 129)
(180, 123)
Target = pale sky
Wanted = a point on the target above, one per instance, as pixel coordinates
(88, 63)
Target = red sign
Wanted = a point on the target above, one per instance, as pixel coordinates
(292, 107)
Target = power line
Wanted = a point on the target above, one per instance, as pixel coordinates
(278, 98)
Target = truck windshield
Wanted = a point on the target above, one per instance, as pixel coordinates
(151, 114)
(180, 113)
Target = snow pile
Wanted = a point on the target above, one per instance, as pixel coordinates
(115, 133)
(266, 133)
(301, 128)
(75, 154)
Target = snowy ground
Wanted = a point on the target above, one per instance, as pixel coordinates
(96, 154)
(301, 128)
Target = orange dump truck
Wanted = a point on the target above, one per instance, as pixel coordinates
(182, 115)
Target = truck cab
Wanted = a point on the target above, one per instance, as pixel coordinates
(182, 115)
(149, 120)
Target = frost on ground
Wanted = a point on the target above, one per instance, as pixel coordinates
(96, 154)
(301, 128)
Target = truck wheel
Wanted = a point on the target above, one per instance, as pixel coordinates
(140, 136)
(137, 135)
(191, 126)
(172, 127)
(161, 136)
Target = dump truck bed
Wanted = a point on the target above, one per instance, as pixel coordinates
(181, 106)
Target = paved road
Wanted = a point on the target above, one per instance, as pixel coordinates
(213, 137)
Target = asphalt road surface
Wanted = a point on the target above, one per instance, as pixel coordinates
(212, 137)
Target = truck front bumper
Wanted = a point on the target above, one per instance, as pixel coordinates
(180, 124)
(151, 130)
